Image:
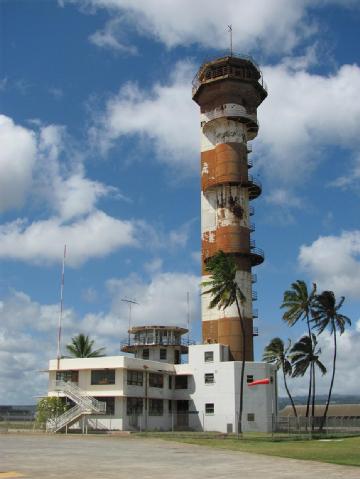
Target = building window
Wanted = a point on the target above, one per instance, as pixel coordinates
(134, 378)
(145, 354)
(163, 353)
(181, 382)
(170, 382)
(134, 406)
(156, 380)
(170, 405)
(209, 408)
(209, 356)
(209, 378)
(156, 407)
(110, 404)
(103, 376)
(249, 378)
(251, 417)
(177, 357)
(67, 376)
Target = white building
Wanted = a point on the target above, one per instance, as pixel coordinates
(153, 391)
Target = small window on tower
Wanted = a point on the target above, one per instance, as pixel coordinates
(209, 356)
(251, 417)
(209, 408)
(249, 378)
(209, 378)
(163, 353)
(145, 354)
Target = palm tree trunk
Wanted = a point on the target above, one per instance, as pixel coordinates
(288, 393)
(313, 397)
(331, 384)
(311, 367)
(242, 367)
(309, 393)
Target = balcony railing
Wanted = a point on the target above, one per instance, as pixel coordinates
(249, 147)
(254, 296)
(254, 278)
(255, 313)
(255, 187)
(251, 210)
(255, 331)
(158, 342)
(250, 163)
(226, 71)
(257, 254)
(252, 227)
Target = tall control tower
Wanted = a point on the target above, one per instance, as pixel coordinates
(228, 91)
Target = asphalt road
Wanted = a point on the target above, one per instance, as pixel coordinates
(108, 457)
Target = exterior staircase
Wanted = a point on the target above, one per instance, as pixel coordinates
(84, 405)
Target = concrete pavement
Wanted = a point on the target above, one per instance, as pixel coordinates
(106, 457)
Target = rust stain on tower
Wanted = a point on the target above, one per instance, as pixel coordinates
(229, 91)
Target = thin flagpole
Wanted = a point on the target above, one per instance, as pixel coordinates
(61, 309)
(188, 314)
(231, 43)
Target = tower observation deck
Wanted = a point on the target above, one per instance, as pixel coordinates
(229, 90)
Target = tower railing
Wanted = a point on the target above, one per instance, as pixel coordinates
(227, 72)
(251, 210)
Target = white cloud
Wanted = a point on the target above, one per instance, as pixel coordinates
(333, 262)
(165, 116)
(111, 36)
(284, 198)
(161, 301)
(153, 266)
(94, 236)
(304, 114)
(27, 341)
(273, 26)
(17, 159)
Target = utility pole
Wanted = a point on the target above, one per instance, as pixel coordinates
(58, 355)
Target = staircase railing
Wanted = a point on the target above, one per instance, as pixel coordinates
(79, 396)
(85, 404)
(69, 416)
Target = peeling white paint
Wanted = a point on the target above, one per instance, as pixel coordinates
(225, 111)
(205, 169)
(222, 130)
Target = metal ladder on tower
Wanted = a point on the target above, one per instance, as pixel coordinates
(85, 405)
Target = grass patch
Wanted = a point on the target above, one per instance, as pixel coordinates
(344, 451)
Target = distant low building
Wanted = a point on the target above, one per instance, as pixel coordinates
(335, 410)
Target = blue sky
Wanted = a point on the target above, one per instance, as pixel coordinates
(100, 150)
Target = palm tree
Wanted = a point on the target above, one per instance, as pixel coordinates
(81, 346)
(298, 304)
(326, 316)
(225, 291)
(275, 353)
(304, 354)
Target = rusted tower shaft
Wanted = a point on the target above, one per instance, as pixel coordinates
(228, 91)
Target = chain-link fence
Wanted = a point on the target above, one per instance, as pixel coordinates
(314, 426)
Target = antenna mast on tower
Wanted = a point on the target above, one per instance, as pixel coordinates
(188, 314)
(130, 302)
(231, 43)
(58, 356)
